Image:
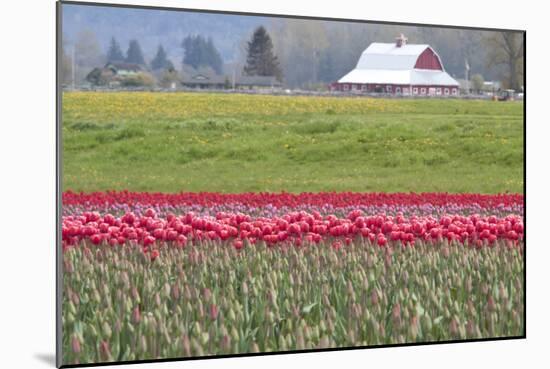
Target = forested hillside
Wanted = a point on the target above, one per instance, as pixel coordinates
(310, 52)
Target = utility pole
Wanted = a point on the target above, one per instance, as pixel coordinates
(73, 69)
(315, 57)
(467, 75)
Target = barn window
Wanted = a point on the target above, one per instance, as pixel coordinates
(406, 90)
(446, 91)
(364, 87)
(346, 87)
(423, 91)
(438, 91)
(398, 90)
(455, 91)
(388, 88)
(415, 90)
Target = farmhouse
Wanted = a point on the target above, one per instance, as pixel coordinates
(242, 82)
(123, 69)
(114, 74)
(204, 80)
(257, 82)
(398, 68)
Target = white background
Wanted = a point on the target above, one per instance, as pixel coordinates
(27, 180)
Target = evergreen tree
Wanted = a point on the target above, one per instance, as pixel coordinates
(200, 52)
(260, 60)
(134, 54)
(161, 61)
(190, 47)
(213, 56)
(114, 54)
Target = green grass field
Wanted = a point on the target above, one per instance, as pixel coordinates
(173, 142)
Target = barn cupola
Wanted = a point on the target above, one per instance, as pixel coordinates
(400, 40)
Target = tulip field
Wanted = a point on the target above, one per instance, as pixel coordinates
(200, 224)
(153, 275)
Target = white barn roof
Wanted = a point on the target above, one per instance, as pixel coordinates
(386, 63)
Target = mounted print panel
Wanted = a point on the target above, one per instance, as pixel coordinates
(237, 184)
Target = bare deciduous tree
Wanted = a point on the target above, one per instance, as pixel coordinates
(506, 49)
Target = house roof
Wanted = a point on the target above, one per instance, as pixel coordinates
(124, 66)
(391, 64)
(242, 80)
(257, 81)
(203, 79)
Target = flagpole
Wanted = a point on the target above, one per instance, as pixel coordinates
(467, 72)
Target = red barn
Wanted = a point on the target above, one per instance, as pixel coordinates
(399, 68)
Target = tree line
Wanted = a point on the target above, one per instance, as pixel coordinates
(314, 53)
(199, 53)
(311, 54)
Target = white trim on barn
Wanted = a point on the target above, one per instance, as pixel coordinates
(399, 77)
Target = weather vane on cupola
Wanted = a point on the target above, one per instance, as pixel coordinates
(401, 40)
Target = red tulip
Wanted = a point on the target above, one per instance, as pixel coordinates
(238, 244)
(213, 312)
(381, 240)
(151, 213)
(149, 240)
